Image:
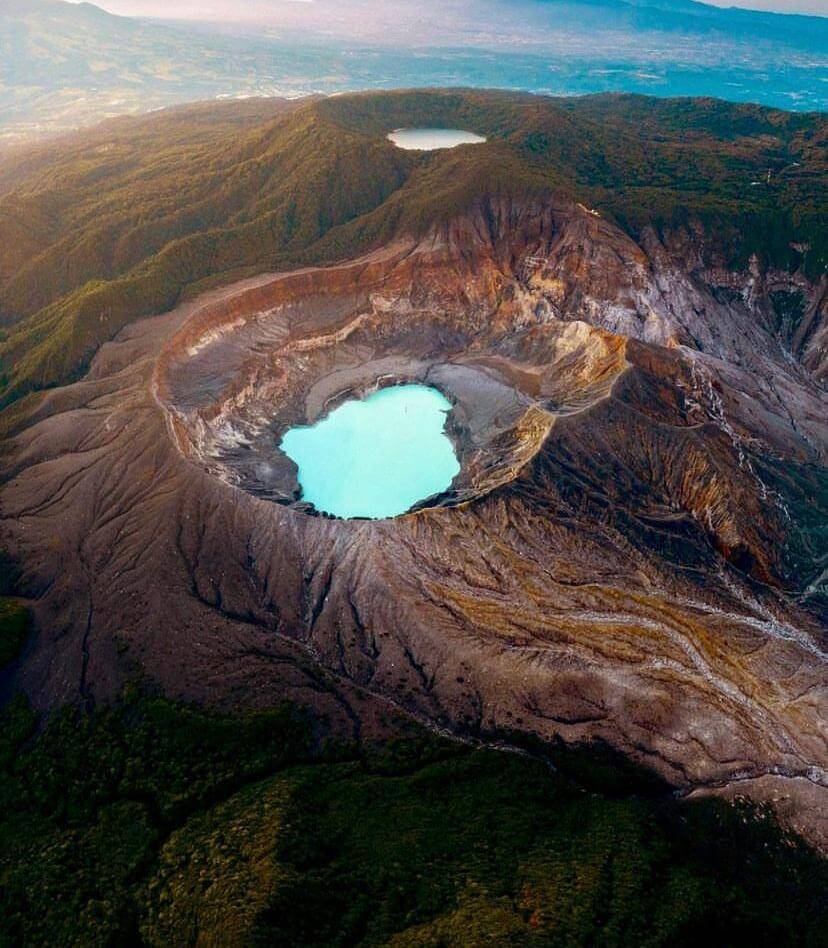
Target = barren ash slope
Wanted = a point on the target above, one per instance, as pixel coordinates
(625, 301)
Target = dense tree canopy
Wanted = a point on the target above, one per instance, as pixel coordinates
(152, 823)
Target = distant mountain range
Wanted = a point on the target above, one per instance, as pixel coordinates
(65, 65)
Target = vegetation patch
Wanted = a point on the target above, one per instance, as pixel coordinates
(158, 824)
(14, 630)
(128, 219)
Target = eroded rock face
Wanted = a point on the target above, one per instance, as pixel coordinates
(634, 549)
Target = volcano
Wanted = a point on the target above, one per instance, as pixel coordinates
(633, 550)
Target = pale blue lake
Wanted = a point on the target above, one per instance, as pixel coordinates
(375, 457)
(430, 139)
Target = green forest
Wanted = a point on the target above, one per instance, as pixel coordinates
(130, 218)
(153, 823)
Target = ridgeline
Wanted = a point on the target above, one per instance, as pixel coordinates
(102, 227)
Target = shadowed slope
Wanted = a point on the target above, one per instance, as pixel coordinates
(156, 824)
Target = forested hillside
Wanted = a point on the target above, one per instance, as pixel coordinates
(157, 824)
(103, 227)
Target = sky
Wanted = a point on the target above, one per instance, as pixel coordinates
(242, 9)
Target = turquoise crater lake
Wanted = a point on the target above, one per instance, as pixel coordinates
(375, 457)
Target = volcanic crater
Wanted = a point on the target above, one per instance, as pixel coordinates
(613, 562)
(232, 389)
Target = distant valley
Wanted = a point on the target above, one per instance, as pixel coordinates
(66, 65)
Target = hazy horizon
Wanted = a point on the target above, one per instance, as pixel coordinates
(258, 10)
(65, 65)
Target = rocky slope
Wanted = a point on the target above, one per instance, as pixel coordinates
(634, 550)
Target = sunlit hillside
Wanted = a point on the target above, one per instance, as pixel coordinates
(100, 229)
